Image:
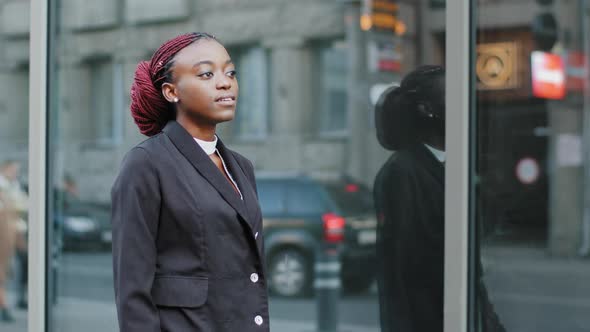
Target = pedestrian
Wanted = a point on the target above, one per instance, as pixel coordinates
(187, 226)
(13, 207)
(409, 197)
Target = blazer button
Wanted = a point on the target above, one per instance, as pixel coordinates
(258, 320)
(254, 277)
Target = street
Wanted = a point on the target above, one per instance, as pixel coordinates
(530, 291)
(86, 300)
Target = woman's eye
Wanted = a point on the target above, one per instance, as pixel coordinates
(232, 73)
(206, 75)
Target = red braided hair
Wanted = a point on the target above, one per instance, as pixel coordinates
(149, 109)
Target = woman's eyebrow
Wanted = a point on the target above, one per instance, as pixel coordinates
(209, 62)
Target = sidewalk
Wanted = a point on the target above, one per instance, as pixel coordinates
(75, 315)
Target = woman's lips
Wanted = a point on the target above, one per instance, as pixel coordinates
(226, 101)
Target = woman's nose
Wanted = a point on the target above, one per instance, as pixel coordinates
(224, 82)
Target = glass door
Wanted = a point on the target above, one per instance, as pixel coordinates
(530, 165)
(309, 86)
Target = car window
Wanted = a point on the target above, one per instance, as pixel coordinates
(306, 199)
(351, 198)
(271, 195)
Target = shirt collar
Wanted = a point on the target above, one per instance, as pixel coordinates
(208, 146)
(440, 155)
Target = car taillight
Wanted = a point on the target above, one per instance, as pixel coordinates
(333, 228)
(351, 188)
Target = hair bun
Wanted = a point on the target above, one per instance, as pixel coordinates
(147, 102)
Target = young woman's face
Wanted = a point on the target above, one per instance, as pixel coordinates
(205, 82)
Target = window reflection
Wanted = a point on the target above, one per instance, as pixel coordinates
(532, 161)
(14, 125)
(303, 118)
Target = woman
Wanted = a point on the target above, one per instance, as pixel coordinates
(187, 227)
(409, 197)
(13, 205)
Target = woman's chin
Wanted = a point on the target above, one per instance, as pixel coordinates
(225, 115)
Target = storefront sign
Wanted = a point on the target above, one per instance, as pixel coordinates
(385, 55)
(497, 66)
(548, 74)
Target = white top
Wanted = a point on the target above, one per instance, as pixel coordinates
(438, 154)
(210, 147)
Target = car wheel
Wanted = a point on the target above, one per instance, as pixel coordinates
(289, 273)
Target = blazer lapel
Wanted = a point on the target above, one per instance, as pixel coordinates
(187, 146)
(434, 166)
(247, 190)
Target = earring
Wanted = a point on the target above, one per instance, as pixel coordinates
(176, 99)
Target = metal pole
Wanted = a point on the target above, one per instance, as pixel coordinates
(37, 317)
(358, 93)
(327, 286)
(585, 26)
(457, 171)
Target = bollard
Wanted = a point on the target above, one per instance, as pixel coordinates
(327, 287)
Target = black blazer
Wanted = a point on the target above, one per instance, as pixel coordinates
(409, 198)
(187, 251)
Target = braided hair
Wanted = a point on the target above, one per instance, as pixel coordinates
(403, 111)
(149, 109)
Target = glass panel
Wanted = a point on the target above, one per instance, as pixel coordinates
(531, 165)
(135, 220)
(14, 138)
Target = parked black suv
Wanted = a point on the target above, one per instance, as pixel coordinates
(296, 211)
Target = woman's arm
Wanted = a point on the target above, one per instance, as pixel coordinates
(135, 213)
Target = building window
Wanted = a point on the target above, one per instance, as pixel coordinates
(106, 102)
(332, 95)
(252, 111)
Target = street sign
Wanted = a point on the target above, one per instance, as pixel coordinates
(548, 74)
(385, 55)
(496, 66)
(381, 15)
(527, 170)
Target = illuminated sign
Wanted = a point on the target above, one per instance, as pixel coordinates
(382, 15)
(548, 74)
(496, 66)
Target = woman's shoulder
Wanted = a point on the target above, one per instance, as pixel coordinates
(151, 142)
(402, 161)
(142, 153)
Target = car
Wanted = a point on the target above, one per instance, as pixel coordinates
(295, 210)
(84, 225)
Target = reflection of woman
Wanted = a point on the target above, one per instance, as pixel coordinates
(13, 204)
(187, 240)
(409, 195)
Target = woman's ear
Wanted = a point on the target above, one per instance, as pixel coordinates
(169, 92)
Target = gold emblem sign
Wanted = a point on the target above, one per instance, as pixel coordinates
(497, 66)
